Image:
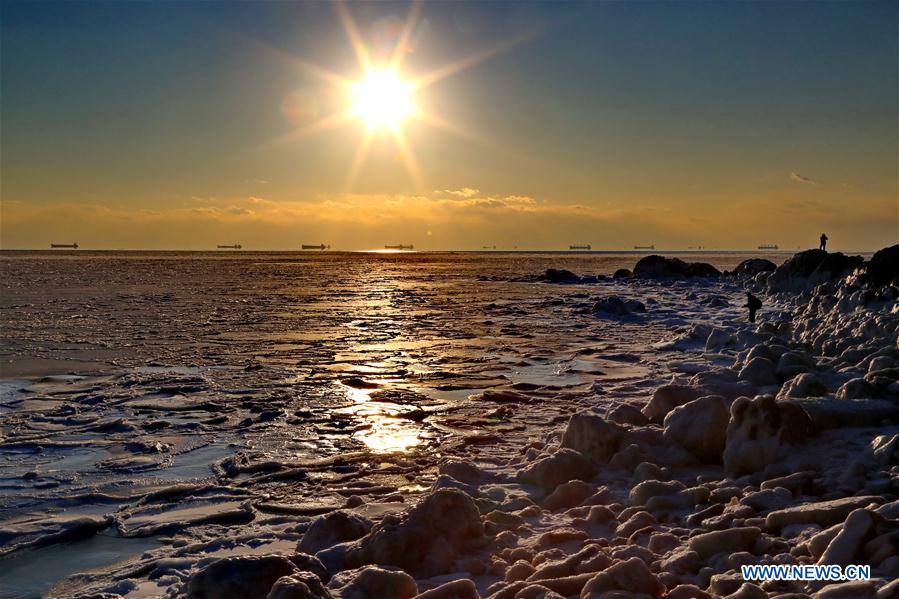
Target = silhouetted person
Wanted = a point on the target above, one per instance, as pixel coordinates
(823, 245)
(753, 303)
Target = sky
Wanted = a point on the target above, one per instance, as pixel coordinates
(166, 125)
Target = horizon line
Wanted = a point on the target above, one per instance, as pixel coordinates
(430, 251)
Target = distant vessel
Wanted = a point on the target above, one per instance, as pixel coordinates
(489, 247)
(316, 247)
(644, 247)
(236, 246)
(579, 247)
(398, 247)
(768, 247)
(67, 246)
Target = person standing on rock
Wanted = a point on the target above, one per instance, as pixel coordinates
(753, 303)
(823, 245)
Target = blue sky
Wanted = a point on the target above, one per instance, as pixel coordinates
(662, 119)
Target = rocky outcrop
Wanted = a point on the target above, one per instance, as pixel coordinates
(803, 385)
(760, 431)
(303, 585)
(616, 306)
(730, 540)
(560, 276)
(593, 437)
(426, 539)
(699, 426)
(845, 546)
(752, 267)
(883, 268)
(659, 267)
(631, 576)
(457, 589)
(551, 471)
(666, 398)
(247, 576)
(333, 528)
(806, 270)
(374, 581)
(822, 513)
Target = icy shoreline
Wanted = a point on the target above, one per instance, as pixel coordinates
(664, 489)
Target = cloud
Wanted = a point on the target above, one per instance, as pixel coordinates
(794, 176)
(462, 220)
(465, 192)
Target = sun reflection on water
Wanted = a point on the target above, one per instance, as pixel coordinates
(384, 432)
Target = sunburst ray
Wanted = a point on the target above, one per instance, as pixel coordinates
(352, 33)
(393, 67)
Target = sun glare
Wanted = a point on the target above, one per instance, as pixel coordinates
(382, 99)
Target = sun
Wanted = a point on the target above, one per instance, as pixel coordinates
(382, 99)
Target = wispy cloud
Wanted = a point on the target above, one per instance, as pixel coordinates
(455, 220)
(465, 192)
(794, 176)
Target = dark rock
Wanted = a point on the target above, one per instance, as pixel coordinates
(659, 267)
(303, 585)
(803, 385)
(806, 270)
(826, 413)
(462, 588)
(699, 426)
(715, 301)
(593, 437)
(752, 267)
(374, 581)
(246, 576)
(667, 397)
(333, 528)
(760, 431)
(627, 414)
(563, 466)
(632, 576)
(622, 273)
(615, 306)
(562, 276)
(884, 266)
(426, 539)
(635, 306)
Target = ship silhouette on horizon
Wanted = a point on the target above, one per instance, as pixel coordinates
(64, 246)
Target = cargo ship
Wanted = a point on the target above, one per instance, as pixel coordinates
(644, 247)
(63, 246)
(769, 247)
(398, 247)
(236, 246)
(580, 247)
(316, 247)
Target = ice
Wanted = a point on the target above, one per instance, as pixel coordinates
(18, 573)
(240, 412)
